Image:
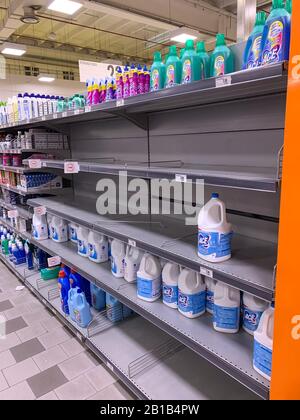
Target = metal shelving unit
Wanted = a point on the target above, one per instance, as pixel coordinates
(23, 212)
(15, 169)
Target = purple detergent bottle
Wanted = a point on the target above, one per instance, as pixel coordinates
(126, 82)
(96, 93)
(119, 84)
(133, 80)
(147, 79)
(141, 80)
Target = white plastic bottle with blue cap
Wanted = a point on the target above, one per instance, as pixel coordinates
(214, 232)
(39, 227)
(263, 344)
(73, 230)
(191, 294)
(118, 251)
(170, 277)
(227, 307)
(98, 247)
(133, 260)
(83, 242)
(210, 294)
(252, 309)
(59, 230)
(149, 279)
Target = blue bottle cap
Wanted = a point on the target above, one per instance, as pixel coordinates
(215, 195)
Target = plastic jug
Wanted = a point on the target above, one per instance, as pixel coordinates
(214, 232)
(133, 260)
(204, 57)
(289, 6)
(126, 83)
(98, 247)
(98, 298)
(263, 344)
(64, 287)
(210, 294)
(191, 294)
(59, 230)
(117, 258)
(170, 276)
(77, 280)
(192, 67)
(149, 279)
(71, 302)
(133, 80)
(114, 309)
(127, 312)
(222, 58)
(253, 308)
(158, 73)
(119, 83)
(29, 251)
(173, 68)
(73, 229)
(227, 309)
(276, 35)
(66, 270)
(83, 241)
(82, 309)
(253, 48)
(39, 227)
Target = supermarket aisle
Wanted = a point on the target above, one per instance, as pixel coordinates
(40, 359)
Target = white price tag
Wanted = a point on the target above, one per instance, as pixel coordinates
(206, 272)
(13, 214)
(28, 121)
(120, 102)
(71, 168)
(40, 211)
(35, 163)
(181, 178)
(54, 261)
(44, 118)
(223, 81)
(131, 242)
(110, 366)
(77, 112)
(64, 114)
(88, 108)
(54, 116)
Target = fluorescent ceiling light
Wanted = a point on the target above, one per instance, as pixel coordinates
(182, 38)
(47, 78)
(13, 49)
(181, 35)
(65, 6)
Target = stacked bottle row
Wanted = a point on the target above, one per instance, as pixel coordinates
(21, 141)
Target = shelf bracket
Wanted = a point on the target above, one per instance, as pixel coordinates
(140, 120)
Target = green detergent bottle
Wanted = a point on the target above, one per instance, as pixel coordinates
(181, 53)
(222, 59)
(192, 67)
(201, 51)
(158, 73)
(173, 68)
(289, 6)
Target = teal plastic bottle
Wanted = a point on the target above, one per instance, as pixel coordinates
(182, 53)
(192, 67)
(173, 68)
(204, 57)
(158, 73)
(289, 6)
(253, 48)
(276, 36)
(222, 59)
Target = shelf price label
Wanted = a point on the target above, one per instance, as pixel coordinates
(35, 163)
(54, 116)
(131, 242)
(40, 211)
(13, 214)
(181, 178)
(120, 102)
(88, 108)
(223, 81)
(54, 261)
(44, 118)
(206, 272)
(64, 114)
(71, 167)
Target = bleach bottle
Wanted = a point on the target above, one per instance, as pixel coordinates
(204, 57)
(222, 59)
(117, 258)
(253, 48)
(149, 279)
(191, 294)
(173, 68)
(82, 309)
(29, 251)
(71, 302)
(214, 232)
(98, 297)
(114, 309)
(98, 247)
(133, 260)
(83, 241)
(39, 227)
(64, 287)
(227, 308)
(263, 344)
(158, 73)
(276, 35)
(252, 310)
(73, 229)
(210, 294)
(77, 280)
(192, 67)
(170, 276)
(60, 232)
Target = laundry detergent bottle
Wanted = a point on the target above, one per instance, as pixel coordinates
(192, 67)
(64, 287)
(158, 73)
(227, 306)
(263, 344)
(170, 276)
(133, 260)
(221, 59)
(204, 57)
(192, 294)
(210, 294)
(98, 297)
(118, 252)
(252, 309)
(60, 230)
(83, 239)
(214, 232)
(289, 6)
(39, 227)
(82, 309)
(173, 68)
(253, 48)
(71, 302)
(276, 36)
(98, 247)
(149, 279)
(114, 309)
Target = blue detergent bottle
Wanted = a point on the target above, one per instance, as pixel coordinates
(77, 280)
(82, 309)
(253, 48)
(64, 287)
(29, 251)
(114, 309)
(127, 312)
(276, 35)
(71, 302)
(98, 298)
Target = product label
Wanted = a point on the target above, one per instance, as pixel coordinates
(251, 319)
(149, 289)
(82, 248)
(93, 253)
(192, 304)
(226, 318)
(262, 358)
(131, 271)
(170, 76)
(273, 49)
(187, 71)
(73, 234)
(170, 294)
(155, 80)
(210, 299)
(54, 234)
(254, 56)
(219, 66)
(115, 268)
(214, 244)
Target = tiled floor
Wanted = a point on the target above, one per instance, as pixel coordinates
(40, 359)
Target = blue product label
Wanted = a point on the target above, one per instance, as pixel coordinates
(92, 252)
(149, 289)
(262, 358)
(54, 234)
(192, 304)
(251, 319)
(226, 318)
(214, 243)
(254, 56)
(273, 48)
(210, 297)
(82, 249)
(170, 294)
(73, 235)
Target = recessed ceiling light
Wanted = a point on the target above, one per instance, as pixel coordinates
(65, 6)
(13, 49)
(46, 78)
(182, 38)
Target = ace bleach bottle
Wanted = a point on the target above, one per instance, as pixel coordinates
(215, 233)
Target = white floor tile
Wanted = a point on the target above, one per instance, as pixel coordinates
(78, 389)
(76, 366)
(100, 378)
(72, 347)
(21, 391)
(50, 358)
(20, 371)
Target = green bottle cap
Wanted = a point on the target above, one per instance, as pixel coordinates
(201, 47)
(289, 6)
(157, 56)
(261, 18)
(277, 4)
(220, 40)
(189, 45)
(173, 51)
